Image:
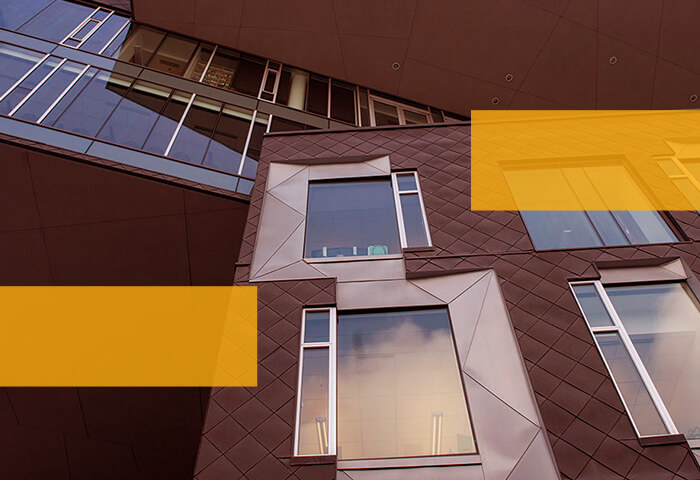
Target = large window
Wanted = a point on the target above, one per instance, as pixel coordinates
(375, 216)
(649, 335)
(591, 184)
(399, 390)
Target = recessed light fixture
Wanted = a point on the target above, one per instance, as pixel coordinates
(495, 100)
(509, 77)
(395, 65)
(612, 60)
(693, 98)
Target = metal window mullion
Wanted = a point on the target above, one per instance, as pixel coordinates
(685, 170)
(179, 125)
(399, 210)
(402, 117)
(24, 77)
(206, 67)
(36, 87)
(94, 29)
(247, 141)
(422, 209)
(332, 382)
(276, 87)
(358, 108)
(264, 79)
(636, 359)
(114, 37)
(370, 107)
(80, 25)
(63, 94)
(328, 107)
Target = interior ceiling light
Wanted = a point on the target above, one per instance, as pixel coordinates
(613, 60)
(396, 65)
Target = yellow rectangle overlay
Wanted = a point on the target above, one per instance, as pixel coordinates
(128, 336)
(585, 160)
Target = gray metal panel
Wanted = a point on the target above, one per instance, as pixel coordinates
(199, 89)
(25, 41)
(163, 165)
(293, 114)
(37, 133)
(97, 61)
(462, 472)
(531, 465)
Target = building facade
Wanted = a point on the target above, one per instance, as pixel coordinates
(401, 334)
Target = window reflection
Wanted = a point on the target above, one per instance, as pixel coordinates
(140, 45)
(15, 62)
(14, 98)
(159, 138)
(227, 143)
(193, 138)
(399, 389)
(56, 21)
(40, 101)
(313, 420)
(14, 13)
(107, 30)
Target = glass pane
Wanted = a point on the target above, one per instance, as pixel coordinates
(413, 118)
(250, 166)
(592, 305)
(49, 92)
(351, 218)
(228, 142)
(280, 124)
(249, 75)
(223, 67)
(560, 230)
(292, 88)
(173, 55)
(13, 13)
(637, 398)
(413, 220)
(406, 181)
(115, 46)
(103, 34)
(84, 30)
(607, 228)
(92, 107)
(437, 115)
(664, 324)
(317, 95)
(193, 138)
(342, 102)
(56, 21)
(644, 227)
(385, 114)
(364, 108)
(136, 115)
(400, 392)
(160, 136)
(68, 98)
(23, 89)
(141, 44)
(313, 414)
(317, 326)
(15, 62)
(199, 62)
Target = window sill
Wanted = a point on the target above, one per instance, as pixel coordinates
(406, 462)
(313, 460)
(362, 258)
(694, 442)
(662, 440)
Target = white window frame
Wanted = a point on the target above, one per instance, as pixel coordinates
(399, 209)
(619, 328)
(400, 107)
(332, 378)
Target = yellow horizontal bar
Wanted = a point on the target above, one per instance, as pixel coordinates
(128, 336)
(585, 160)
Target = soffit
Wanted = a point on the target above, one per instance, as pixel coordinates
(456, 54)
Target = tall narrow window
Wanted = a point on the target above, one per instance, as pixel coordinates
(410, 210)
(649, 335)
(315, 432)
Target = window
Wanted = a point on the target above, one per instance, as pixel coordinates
(572, 229)
(173, 55)
(56, 21)
(387, 112)
(649, 336)
(399, 390)
(373, 216)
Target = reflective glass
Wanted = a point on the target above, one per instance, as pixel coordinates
(413, 118)
(313, 414)
(560, 229)
(56, 21)
(94, 104)
(250, 166)
(173, 55)
(406, 181)
(592, 305)
(644, 227)
(342, 102)
(607, 228)
(641, 407)
(227, 144)
(349, 218)
(140, 45)
(136, 115)
(193, 138)
(49, 91)
(413, 223)
(199, 62)
(22, 90)
(364, 107)
(385, 114)
(106, 31)
(317, 95)
(222, 69)
(248, 75)
(115, 46)
(68, 98)
(317, 326)
(400, 392)
(13, 13)
(15, 62)
(159, 138)
(664, 324)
